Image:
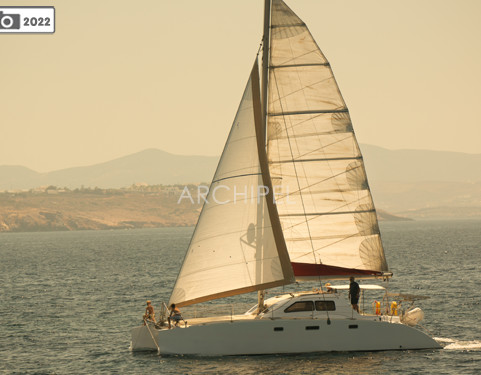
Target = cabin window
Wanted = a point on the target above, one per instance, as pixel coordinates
(325, 306)
(300, 306)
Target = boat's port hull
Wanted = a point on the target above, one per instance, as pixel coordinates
(276, 336)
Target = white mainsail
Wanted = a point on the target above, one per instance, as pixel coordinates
(327, 213)
(237, 246)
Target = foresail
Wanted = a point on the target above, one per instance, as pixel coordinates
(323, 198)
(235, 247)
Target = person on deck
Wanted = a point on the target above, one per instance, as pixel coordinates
(329, 288)
(175, 315)
(149, 313)
(354, 292)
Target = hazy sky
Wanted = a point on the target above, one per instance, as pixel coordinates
(121, 76)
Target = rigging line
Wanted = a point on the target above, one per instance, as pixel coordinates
(328, 145)
(297, 71)
(279, 197)
(335, 85)
(334, 142)
(302, 91)
(337, 242)
(206, 238)
(315, 217)
(304, 121)
(299, 56)
(310, 86)
(295, 168)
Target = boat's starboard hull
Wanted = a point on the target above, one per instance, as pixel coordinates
(278, 336)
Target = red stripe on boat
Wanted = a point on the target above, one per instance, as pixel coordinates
(309, 269)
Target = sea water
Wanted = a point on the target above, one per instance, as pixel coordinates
(69, 299)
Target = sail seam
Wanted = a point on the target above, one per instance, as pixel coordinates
(279, 197)
(290, 25)
(310, 160)
(315, 217)
(322, 147)
(298, 65)
(328, 213)
(236, 176)
(332, 244)
(309, 112)
(333, 237)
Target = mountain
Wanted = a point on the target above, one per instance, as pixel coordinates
(425, 184)
(150, 166)
(420, 165)
(154, 166)
(411, 183)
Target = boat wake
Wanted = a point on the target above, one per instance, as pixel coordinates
(450, 344)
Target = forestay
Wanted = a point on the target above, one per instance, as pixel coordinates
(326, 210)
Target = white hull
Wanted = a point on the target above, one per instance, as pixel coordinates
(259, 336)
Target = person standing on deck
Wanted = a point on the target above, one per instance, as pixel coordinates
(354, 292)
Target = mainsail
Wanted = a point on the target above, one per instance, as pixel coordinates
(325, 208)
(237, 246)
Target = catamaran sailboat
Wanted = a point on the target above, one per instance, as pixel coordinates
(289, 202)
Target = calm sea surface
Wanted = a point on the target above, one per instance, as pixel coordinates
(69, 299)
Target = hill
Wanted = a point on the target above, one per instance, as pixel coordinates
(412, 183)
(93, 209)
(150, 166)
(420, 165)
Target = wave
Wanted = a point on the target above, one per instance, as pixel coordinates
(451, 344)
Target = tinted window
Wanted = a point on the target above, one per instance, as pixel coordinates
(300, 306)
(325, 306)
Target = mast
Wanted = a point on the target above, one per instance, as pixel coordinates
(265, 62)
(265, 72)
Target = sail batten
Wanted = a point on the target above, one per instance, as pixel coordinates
(326, 209)
(297, 65)
(327, 213)
(308, 112)
(310, 160)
